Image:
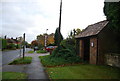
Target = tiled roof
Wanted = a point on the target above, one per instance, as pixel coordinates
(93, 29)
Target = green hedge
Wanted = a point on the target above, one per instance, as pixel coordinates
(4, 43)
(11, 46)
(41, 51)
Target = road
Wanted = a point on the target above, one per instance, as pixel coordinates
(8, 56)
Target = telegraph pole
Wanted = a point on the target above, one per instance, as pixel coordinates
(60, 15)
(23, 45)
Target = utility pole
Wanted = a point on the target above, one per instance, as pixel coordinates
(60, 15)
(23, 45)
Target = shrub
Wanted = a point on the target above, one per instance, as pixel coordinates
(41, 51)
(11, 46)
(48, 61)
(63, 54)
(66, 54)
(30, 51)
(4, 43)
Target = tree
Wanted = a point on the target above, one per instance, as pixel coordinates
(112, 12)
(74, 32)
(34, 43)
(78, 31)
(58, 37)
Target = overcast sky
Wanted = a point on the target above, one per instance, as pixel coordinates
(33, 17)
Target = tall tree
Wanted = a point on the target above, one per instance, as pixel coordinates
(112, 12)
(58, 37)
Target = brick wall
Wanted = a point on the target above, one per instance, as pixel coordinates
(93, 50)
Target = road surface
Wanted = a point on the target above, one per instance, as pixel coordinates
(8, 56)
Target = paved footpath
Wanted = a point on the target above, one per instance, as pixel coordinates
(35, 70)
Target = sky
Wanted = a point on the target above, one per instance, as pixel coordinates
(33, 17)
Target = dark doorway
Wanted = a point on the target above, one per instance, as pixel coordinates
(86, 49)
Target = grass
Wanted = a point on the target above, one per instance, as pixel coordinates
(41, 51)
(26, 60)
(47, 61)
(30, 51)
(13, 75)
(84, 71)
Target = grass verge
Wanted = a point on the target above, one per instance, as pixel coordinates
(30, 51)
(13, 75)
(84, 71)
(26, 60)
(41, 51)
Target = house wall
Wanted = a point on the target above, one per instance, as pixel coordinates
(106, 44)
(93, 50)
(81, 52)
(78, 47)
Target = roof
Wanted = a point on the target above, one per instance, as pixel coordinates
(93, 29)
(12, 40)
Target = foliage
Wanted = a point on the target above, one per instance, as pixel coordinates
(41, 51)
(83, 71)
(26, 60)
(17, 46)
(66, 54)
(49, 38)
(40, 46)
(67, 50)
(73, 33)
(4, 43)
(48, 61)
(13, 75)
(11, 46)
(112, 12)
(34, 43)
(58, 37)
(30, 51)
(55, 61)
(28, 45)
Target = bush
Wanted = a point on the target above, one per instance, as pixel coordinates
(56, 61)
(11, 46)
(48, 61)
(4, 43)
(30, 51)
(41, 51)
(17, 46)
(66, 54)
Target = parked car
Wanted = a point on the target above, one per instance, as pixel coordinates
(50, 48)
